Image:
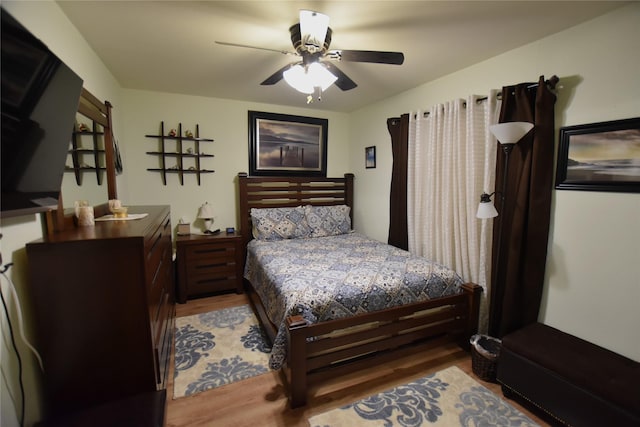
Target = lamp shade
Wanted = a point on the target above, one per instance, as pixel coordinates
(320, 76)
(510, 132)
(486, 209)
(206, 211)
(305, 80)
(297, 78)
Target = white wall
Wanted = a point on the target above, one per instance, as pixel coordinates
(226, 122)
(592, 283)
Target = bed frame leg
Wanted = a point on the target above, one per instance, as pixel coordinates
(473, 300)
(297, 361)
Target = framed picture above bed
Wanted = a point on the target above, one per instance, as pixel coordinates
(601, 156)
(284, 145)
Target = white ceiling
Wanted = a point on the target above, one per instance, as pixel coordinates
(168, 46)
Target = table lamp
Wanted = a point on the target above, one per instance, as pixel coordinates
(206, 213)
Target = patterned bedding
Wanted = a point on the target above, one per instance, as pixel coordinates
(325, 278)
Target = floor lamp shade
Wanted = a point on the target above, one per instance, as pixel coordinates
(510, 132)
(507, 134)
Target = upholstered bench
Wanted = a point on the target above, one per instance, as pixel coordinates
(576, 382)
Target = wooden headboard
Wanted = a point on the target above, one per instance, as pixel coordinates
(290, 191)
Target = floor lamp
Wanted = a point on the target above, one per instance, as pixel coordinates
(507, 134)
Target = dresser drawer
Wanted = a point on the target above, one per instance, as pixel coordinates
(158, 246)
(163, 339)
(159, 270)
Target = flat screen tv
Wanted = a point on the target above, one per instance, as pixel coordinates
(40, 97)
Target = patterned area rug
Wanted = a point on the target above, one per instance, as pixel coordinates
(446, 398)
(218, 348)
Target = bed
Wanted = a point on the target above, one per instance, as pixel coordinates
(340, 310)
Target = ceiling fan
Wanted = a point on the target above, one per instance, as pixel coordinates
(311, 38)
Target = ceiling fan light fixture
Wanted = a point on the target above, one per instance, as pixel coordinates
(313, 29)
(305, 80)
(320, 76)
(297, 78)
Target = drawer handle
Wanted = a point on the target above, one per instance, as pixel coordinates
(209, 251)
(220, 264)
(217, 279)
(155, 273)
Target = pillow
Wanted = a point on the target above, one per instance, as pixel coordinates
(328, 220)
(279, 223)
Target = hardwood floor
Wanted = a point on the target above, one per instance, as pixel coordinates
(262, 400)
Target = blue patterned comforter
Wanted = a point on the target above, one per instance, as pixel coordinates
(326, 278)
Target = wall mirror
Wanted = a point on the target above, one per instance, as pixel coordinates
(91, 163)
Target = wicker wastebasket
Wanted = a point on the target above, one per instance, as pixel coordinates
(484, 356)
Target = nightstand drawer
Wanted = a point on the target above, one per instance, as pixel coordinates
(210, 252)
(211, 267)
(206, 284)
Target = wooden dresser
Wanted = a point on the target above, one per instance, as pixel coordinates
(103, 302)
(208, 263)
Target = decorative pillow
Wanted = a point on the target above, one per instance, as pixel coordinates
(279, 223)
(328, 220)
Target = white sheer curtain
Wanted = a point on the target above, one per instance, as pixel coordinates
(451, 161)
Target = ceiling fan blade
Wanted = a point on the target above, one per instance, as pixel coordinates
(374, 56)
(275, 77)
(343, 82)
(285, 52)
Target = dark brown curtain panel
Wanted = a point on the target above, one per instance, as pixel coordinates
(518, 270)
(399, 131)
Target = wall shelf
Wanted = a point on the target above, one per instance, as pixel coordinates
(87, 159)
(184, 151)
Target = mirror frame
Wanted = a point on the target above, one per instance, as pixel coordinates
(100, 112)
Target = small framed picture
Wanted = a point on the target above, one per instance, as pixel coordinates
(370, 157)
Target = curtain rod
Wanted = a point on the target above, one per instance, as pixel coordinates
(551, 84)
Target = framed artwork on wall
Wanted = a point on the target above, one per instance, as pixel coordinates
(601, 156)
(281, 144)
(370, 157)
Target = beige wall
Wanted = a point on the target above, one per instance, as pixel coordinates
(592, 282)
(224, 121)
(593, 272)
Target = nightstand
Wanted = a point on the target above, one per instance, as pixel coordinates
(207, 264)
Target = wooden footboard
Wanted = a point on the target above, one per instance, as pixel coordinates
(365, 339)
(318, 351)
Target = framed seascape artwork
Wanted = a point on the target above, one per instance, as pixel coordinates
(370, 157)
(281, 144)
(600, 157)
